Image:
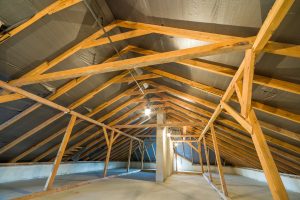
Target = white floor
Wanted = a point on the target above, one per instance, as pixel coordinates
(178, 186)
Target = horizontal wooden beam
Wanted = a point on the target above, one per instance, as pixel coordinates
(271, 47)
(229, 72)
(58, 107)
(172, 56)
(173, 124)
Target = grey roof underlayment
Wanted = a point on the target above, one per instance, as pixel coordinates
(54, 34)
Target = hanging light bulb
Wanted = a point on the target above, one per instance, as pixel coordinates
(147, 111)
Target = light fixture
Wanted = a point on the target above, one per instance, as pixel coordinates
(147, 111)
(168, 134)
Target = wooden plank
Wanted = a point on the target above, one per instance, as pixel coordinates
(110, 142)
(138, 78)
(48, 10)
(173, 124)
(143, 154)
(60, 91)
(60, 154)
(56, 106)
(10, 97)
(115, 38)
(273, 20)
(229, 72)
(172, 56)
(208, 89)
(247, 83)
(271, 47)
(94, 142)
(219, 163)
(45, 141)
(245, 124)
(190, 110)
(129, 155)
(200, 156)
(56, 117)
(270, 170)
(207, 159)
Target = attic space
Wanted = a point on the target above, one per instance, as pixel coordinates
(150, 99)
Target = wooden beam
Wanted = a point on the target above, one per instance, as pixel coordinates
(76, 135)
(200, 156)
(239, 135)
(219, 163)
(273, 20)
(116, 121)
(56, 106)
(138, 78)
(273, 178)
(53, 136)
(60, 91)
(172, 56)
(228, 72)
(143, 154)
(173, 124)
(271, 47)
(110, 142)
(115, 38)
(246, 125)
(214, 91)
(247, 83)
(73, 106)
(60, 154)
(207, 159)
(129, 155)
(52, 8)
(271, 172)
(191, 109)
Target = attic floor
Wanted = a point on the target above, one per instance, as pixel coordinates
(21, 188)
(179, 186)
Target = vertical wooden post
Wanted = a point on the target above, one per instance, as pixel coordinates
(207, 159)
(222, 179)
(129, 155)
(110, 142)
(143, 153)
(200, 156)
(60, 153)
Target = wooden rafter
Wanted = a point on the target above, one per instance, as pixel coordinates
(276, 186)
(172, 56)
(271, 47)
(49, 10)
(228, 72)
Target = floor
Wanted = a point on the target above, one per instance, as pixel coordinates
(142, 185)
(177, 187)
(20, 188)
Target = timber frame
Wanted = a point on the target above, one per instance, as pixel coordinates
(200, 126)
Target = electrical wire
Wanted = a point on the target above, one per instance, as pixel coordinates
(100, 23)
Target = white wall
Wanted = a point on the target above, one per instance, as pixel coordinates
(16, 172)
(147, 165)
(291, 182)
(184, 165)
